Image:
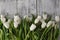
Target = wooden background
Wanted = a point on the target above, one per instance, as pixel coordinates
(27, 7)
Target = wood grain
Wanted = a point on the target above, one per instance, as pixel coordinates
(28, 7)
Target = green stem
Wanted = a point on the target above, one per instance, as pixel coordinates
(27, 35)
(33, 36)
(25, 28)
(11, 34)
(51, 35)
(45, 32)
(24, 25)
(56, 34)
(55, 31)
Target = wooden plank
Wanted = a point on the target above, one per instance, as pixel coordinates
(8, 6)
(23, 7)
(48, 6)
(29, 6)
(58, 7)
(32, 6)
(26, 7)
(39, 7)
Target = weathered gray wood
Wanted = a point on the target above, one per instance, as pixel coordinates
(29, 6)
(23, 7)
(9, 6)
(58, 7)
(32, 6)
(48, 6)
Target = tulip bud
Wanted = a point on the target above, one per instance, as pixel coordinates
(44, 16)
(3, 19)
(6, 24)
(57, 19)
(15, 24)
(49, 23)
(9, 20)
(28, 18)
(43, 25)
(36, 21)
(17, 19)
(39, 17)
(33, 27)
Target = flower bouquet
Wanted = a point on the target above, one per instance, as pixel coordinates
(29, 28)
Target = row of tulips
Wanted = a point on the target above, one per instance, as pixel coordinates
(29, 28)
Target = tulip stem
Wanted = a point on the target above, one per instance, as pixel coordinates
(45, 32)
(24, 25)
(51, 35)
(25, 28)
(27, 35)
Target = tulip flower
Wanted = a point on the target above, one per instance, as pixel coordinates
(15, 24)
(17, 19)
(36, 21)
(39, 17)
(28, 18)
(43, 25)
(9, 20)
(49, 23)
(44, 16)
(33, 27)
(6, 24)
(57, 18)
(3, 19)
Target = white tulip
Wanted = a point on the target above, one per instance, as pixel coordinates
(9, 20)
(39, 17)
(2, 16)
(36, 21)
(3, 19)
(17, 19)
(33, 27)
(6, 24)
(42, 20)
(43, 25)
(44, 16)
(15, 24)
(57, 19)
(27, 18)
(49, 23)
